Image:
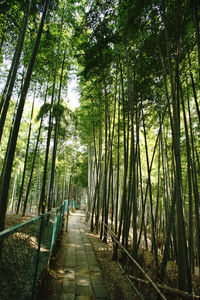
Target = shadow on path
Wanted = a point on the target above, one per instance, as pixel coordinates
(76, 274)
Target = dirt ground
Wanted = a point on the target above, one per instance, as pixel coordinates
(117, 285)
(12, 219)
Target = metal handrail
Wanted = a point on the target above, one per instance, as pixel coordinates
(136, 263)
(58, 217)
(5, 233)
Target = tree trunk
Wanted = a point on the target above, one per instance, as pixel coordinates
(57, 124)
(5, 100)
(154, 247)
(56, 132)
(183, 280)
(194, 182)
(123, 205)
(96, 169)
(33, 162)
(26, 158)
(4, 187)
(104, 208)
(193, 88)
(196, 21)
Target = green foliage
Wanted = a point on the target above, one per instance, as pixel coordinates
(43, 112)
(133, 66)
(80, 170)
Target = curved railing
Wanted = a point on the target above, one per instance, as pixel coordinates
(25, 250)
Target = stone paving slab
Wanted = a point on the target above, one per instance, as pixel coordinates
(69, 285)
(85, 297)
(84, 290)
(94, 268)
(68, 296)
(92, 260)
(82, 279)
(100, 291)
(97, 280)
(69, 273)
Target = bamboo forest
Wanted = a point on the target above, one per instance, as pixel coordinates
(100, 123)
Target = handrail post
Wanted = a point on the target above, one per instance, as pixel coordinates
(67, 215)
(59, 217)
(63, 214)
(37, 257)
(54, 230)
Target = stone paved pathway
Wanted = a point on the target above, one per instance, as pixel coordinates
(82, 280)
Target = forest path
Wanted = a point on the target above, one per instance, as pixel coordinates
(82, 268)
(82, 276)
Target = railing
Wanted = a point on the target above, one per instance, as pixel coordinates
(25, 250)
(152, 289)
(72, 204)
(116, 243)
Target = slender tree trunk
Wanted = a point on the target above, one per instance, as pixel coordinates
(118, 166)
(118, 177)
(12, 204)
(64, 182)
(104, 209)
(111, 157)
(198, 160)
(43, 200)
(158, 190)
(57, 124)
(165, 187)
(143, 203)
(99, 169)
(96, 168)
(70, 187)
(13, 71)
(56, 132)
(2, 41)
(194, 182)
(147, 187)
(89, 177)
(190, 192)
(154, 247)
(110, 160)
(33, 162)
(43, 196)
(123, 205)
(183, 279)
(26, 158)
(193, 88)
(9, 140)
(4, 187)
(196, 21)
